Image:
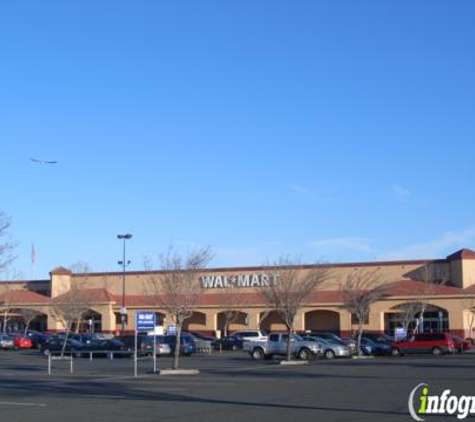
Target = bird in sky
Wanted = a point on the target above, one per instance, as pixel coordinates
(42, 162)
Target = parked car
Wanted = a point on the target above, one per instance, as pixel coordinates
(435, 343)
(104, 347)
(378, 338)
(161, 347)
(232, 342)
(201, 336)
(330, 350)
(372, 348)
(21, 342)
(56, 345)
(254, 335)
(277, 345)
(461, 345)
(6, 342)
(334, 339)
(187, 344)
(129, 341)
(37, 338)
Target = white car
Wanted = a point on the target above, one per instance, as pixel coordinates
(6, 342)
(250, 335)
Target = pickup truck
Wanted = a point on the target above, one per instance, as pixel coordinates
(277, 345)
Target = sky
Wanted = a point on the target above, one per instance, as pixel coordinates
(332, 131)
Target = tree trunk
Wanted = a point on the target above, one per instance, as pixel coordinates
(226, 325)
(176, 355)
(420, 327)
(358, 342)
(290, 332)
(406, 327)
(5, 321)
(68, 329)
(472, 320)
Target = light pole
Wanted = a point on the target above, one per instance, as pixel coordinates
(124, 263)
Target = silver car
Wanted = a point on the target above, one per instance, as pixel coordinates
(161, 348)
(6, 342)
(330, 350)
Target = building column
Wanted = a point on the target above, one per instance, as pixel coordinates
(108, 319)
(299, 322)
(345, 323)
(253, 318)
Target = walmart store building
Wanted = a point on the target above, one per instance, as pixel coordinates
(451, 306)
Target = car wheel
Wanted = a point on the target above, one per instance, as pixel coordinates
(46, 352)
(304, 354)
(258, 354)
(234, 347)
(329, 354)
(436, 351)
(395, 352)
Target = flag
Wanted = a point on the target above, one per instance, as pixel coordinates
(33, 254)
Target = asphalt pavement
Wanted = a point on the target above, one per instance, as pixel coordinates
(230, 387)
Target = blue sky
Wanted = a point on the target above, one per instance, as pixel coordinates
(331, 130)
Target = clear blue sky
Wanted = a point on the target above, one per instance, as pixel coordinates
(333, 130)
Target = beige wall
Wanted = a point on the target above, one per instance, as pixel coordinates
(136, 283)
(460, 272)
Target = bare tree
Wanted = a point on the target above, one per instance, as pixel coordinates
(360, 290)
(6, 245)
(28, 316)
(176, 289)
(408, 312)
(231, 301)
(6, 307)
(469, 305)
(433, 276)
(8, 303)
(70, 307)
(287, 290)
(264, 314)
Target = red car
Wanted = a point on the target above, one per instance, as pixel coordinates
(461, 345)
(435, 343)
(21, 342)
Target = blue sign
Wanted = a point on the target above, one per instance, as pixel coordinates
(172, 330)
(400, 333)
(145, 321)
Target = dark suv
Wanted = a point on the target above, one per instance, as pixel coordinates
(187, 344)
(435, 343)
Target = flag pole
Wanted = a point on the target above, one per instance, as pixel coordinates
(33, 260)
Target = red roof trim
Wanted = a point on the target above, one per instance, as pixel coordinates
(462, 254)
(60, 271)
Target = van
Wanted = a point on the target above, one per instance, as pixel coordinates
(435, 343)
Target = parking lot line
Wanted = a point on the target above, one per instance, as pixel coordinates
(12, 403)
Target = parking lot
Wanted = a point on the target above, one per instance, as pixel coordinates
(230, 387)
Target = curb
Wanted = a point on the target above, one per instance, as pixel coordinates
(178, 372)
(293, 362)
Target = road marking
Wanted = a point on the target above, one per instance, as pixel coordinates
(100, 396)
(11, 403)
